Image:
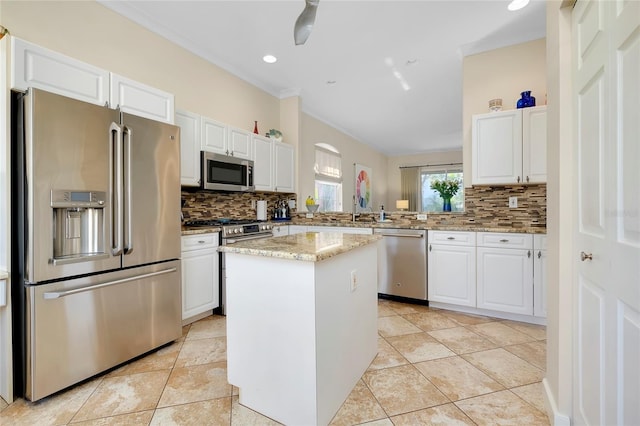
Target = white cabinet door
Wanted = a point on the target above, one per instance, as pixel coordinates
(139, 99)
(262, 163)
(497, 148)
(200, 269)
(284, 167)
(35, 66)
(297, 229)
(189, 124)
(505, 280)
(452, 274)
(534, 144)
(214, 136)
(239, 143)
(280, 230)
(540, 275)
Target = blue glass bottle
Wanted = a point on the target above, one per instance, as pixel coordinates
(526, 100)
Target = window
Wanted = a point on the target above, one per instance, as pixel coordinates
(328, 182)
(431, 200)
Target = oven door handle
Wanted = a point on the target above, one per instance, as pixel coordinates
(59, 294)
(236, 240)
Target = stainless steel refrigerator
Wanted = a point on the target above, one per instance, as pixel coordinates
(96, 244)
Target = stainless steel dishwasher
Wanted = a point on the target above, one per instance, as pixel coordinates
(402, 263)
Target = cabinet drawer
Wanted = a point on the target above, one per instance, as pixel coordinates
(506, 240)
(199, 241)
(452, 238)
(540, 241)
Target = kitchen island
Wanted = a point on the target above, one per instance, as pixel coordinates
(301, 322)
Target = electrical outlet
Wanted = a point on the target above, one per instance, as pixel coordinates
(422, 217)
(253, 204)
(353, 284)
(513, 202)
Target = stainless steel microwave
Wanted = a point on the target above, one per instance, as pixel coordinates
(226, 173)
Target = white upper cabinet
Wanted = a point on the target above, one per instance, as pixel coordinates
(189, 124)
(214, 136)
(509, 147)
(274, 165)
(262, 163)
(534, 144)
(239, 143)
(142, 100)
(35, 66)
(284, 167)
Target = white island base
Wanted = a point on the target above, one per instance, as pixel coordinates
(298, 337)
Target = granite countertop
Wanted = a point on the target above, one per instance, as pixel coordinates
(400, 224)
(195, 230)
(309, 246)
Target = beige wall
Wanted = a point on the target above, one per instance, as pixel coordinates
(315, 131)
(502, 73)
(430, 158)
(560, 213)
(88, 31)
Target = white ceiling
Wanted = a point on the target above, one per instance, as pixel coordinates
(379, 97)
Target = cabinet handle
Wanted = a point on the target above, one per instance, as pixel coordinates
(504, 240)
(430, 247)
(584, 256)
(200, 242)
(518, 179)
(527, 179)
(529, 254)
(539, 254)
(450, 238)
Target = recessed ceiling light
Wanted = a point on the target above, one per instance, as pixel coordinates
(270, 59)
(517, 4)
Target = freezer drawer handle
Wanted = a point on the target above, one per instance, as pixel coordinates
(59, 294)
(403, 235)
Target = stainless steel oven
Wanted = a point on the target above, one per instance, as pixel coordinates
(232, 232)
(226, 173)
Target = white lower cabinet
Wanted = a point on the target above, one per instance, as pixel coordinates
(540, 275)
(451, 267)
(200, 280)
(280, 230)
(505, 272)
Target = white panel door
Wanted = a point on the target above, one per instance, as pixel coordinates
(452, 274)
(263, 163)
(534, 144)
(141, 100)
(214, 136)
(35, 66)
(505, 280)
(189, 124)
(606, 37)
(284, 167)
(496, 148)
(239, 143)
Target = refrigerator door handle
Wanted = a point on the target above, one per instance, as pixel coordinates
(115, 187)
(128, 208)
(58, 294)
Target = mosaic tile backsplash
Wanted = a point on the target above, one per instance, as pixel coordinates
(485, 206)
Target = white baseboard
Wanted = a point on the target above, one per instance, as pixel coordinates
(556, 418)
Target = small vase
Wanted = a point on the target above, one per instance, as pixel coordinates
(446, 205)
(255, 128)
(526, 100)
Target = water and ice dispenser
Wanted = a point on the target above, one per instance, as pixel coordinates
(78, 224)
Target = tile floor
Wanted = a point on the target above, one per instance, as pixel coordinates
(433, 367)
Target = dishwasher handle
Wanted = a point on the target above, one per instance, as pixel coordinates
(402, 235)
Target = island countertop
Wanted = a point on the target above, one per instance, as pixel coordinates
(308, 246)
